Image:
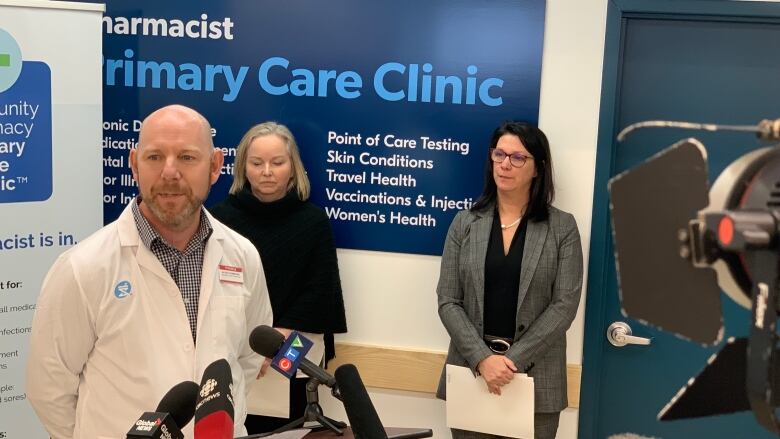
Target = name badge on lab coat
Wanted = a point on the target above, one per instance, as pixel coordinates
(228, 273)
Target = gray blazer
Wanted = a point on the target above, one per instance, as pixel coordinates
(550, 286)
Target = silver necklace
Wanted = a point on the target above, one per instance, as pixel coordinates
(504, 227)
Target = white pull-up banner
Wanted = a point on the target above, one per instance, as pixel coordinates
(50, 169)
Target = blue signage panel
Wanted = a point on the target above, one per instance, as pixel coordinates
(25, 134)
(392, 103)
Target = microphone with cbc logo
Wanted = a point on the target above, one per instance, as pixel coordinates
(214, 409)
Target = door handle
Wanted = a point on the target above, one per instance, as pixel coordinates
(619, 334)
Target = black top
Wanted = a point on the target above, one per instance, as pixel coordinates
(502, 280)
(296, 246)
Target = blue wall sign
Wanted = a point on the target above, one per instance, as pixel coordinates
(392, 103)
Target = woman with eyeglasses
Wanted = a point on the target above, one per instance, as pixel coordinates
(268, 204)
(511, 276)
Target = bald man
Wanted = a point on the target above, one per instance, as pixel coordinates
(149, 300)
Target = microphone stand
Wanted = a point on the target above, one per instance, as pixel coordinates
(313, 413)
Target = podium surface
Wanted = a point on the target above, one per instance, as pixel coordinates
(392, 433)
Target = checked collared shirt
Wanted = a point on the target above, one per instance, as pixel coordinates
(185, 267)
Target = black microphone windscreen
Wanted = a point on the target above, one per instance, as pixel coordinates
(360, 410)
(215, 390)
(179, 402)
(266, 341)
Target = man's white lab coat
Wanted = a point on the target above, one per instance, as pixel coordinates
(110, 333)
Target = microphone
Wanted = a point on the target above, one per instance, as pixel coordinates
(173, 412)
(268, 342)
(214, 407)
(179, 402)
(360, 410)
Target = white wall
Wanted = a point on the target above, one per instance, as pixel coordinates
(391, 298)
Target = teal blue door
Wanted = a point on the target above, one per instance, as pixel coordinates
(701, 61)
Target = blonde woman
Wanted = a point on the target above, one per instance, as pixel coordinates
(268, 205)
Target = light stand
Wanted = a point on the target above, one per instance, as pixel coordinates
(735, 237)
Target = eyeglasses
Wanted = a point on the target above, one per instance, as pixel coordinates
(517, 160)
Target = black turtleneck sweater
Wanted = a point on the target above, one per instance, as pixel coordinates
(296, 246)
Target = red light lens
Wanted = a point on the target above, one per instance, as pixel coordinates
(726, 230)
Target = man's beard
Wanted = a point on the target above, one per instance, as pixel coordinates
(174, 220)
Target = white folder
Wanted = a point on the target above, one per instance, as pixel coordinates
(470, 406)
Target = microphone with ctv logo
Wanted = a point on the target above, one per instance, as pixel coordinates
(214, 407)
(173, 412)
(287, 356)
(288, 359)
